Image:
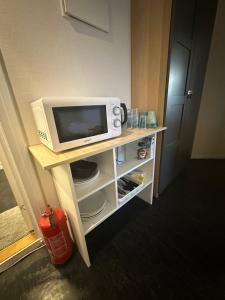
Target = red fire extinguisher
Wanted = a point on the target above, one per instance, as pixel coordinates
(56, 235)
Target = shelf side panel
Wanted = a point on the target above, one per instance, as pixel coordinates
(115, 176)
(146, 194)
(153, 169)
(64, 187)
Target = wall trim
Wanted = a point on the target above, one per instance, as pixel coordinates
(11, 261)
(14, 179)
(15, 154)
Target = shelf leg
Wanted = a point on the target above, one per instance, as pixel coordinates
(147, 194)
(65, 190)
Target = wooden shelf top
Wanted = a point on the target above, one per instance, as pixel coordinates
(49, 159)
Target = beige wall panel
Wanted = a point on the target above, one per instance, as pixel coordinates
(48, 55)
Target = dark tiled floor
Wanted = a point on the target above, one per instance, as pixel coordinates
(7, 199)
(174, 249)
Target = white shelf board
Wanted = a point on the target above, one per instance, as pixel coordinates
(133, 193)
(130, 165)
(90, 224)
(85, 190)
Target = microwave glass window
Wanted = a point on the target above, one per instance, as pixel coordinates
(77, 122)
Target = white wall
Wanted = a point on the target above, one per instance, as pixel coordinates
(47, 55)
(210, 132)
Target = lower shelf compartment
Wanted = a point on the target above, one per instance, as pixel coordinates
(134, 193)
(90, 224)
(146, 170)
(110, 206)
(86, 189)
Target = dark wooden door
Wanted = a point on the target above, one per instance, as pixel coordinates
(191, 32)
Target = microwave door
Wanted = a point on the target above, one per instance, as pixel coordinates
(78, 122)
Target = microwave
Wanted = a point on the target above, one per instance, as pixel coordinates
(65, 123)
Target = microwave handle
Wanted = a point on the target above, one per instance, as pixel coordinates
(124, 108)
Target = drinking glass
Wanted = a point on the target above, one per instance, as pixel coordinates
(143, 119)
(132, 118)
(135, 118)
(129, 118)
(151, 119)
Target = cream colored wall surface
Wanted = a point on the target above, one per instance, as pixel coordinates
(48, 55)
(209, 139)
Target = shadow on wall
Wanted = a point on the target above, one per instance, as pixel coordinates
(89, 30)
(210, 137)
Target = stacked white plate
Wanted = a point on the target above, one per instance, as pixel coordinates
(84, 171)
(86, 180)
(92, 206)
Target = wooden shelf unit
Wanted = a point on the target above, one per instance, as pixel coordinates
(105, 185)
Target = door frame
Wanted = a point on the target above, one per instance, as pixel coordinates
(13, 177)
(15, 156)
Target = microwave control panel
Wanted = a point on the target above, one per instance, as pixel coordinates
(116, 110)
(117, 123)
(116, 119)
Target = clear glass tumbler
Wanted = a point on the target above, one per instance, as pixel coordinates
(129, 118)
(135, 117)
(151, 119)
(132, 118)
(143, 119)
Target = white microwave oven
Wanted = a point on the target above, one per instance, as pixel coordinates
(65, 123)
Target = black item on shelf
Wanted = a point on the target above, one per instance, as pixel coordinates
(125, 186)
(129, 183)
(145, 142)
(122, 192)
(83, 169)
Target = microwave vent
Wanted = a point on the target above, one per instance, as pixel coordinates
(43, 135)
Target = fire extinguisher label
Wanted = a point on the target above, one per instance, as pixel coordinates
(58, 244)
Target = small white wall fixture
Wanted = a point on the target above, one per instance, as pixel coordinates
(91, 12)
